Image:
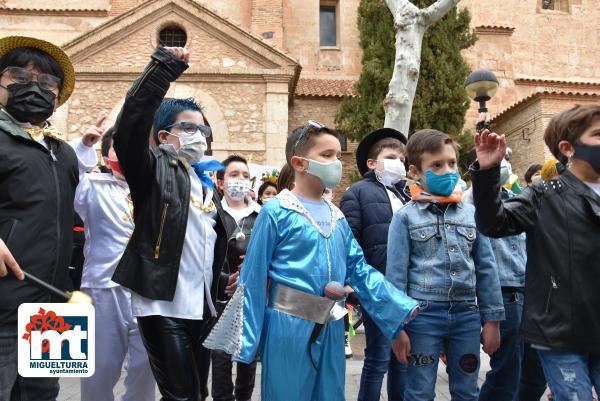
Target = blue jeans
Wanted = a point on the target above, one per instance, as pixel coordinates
(502, 381)
(571, 375)
(450, 327)
(379, 360)
(533, 382)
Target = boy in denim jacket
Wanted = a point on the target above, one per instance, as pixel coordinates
(437, 256)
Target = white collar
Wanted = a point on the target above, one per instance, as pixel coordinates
(107, 178)
(289, 201)
(251, 208)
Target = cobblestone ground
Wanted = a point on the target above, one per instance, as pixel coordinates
(70, 387)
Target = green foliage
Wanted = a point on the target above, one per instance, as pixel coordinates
(362, 114)
(440, 102)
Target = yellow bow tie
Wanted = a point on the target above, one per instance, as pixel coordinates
(38, 133)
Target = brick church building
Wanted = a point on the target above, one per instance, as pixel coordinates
(259, 68)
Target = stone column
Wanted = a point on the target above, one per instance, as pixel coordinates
(276, 123)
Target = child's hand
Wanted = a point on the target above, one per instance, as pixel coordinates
(8, 262)
(490, 337)
(239, 267)
(401, 347)
(232, 283)
(490, 148)
(180, 52)
(94, 133)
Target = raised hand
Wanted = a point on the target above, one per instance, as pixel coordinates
(490, 148)
(94, 133)
(180, 52)
(7, 261)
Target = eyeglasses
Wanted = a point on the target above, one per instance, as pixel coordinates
(310, 124)
(190, 128)
(20, 75)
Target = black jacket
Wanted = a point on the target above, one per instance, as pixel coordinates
(368, 209)
(562, 222)
(160, 189)
(37, 187)
(228, 248)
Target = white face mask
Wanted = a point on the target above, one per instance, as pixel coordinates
(393, 172)
(505, 171)
(192, 147)
(237, 189)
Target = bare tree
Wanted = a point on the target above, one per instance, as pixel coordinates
(410, 23)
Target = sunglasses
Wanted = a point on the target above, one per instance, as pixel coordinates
(305, 130)
(190, 128)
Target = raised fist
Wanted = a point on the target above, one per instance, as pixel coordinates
(180, 52)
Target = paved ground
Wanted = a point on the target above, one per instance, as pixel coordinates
(70, 387)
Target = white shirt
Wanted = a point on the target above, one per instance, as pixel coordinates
(101, 202)
(239, 214)
(195, 266)
(395, 201)
(594, 186)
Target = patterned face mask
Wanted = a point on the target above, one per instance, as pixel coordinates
(237, 189)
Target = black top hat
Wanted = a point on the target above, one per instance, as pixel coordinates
(365, 145)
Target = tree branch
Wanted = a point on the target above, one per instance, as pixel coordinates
(437, 10)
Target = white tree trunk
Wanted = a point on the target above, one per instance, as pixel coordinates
(410, 23)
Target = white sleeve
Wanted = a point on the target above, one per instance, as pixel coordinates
(86, 156)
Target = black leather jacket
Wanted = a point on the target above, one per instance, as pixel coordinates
(160, 189)
(37, 187)
(562, 222)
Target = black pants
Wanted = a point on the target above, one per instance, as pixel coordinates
(222, 384)
(14, 387)
(176, 355)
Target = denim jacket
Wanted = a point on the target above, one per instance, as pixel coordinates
(440, 256)
(510, 252)
(511, 258)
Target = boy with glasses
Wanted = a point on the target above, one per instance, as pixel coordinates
(38, 177)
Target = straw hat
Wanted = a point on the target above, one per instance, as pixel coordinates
(13, 42)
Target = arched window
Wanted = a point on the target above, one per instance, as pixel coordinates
(172, 36)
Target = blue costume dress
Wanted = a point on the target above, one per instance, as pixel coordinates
(287, 247)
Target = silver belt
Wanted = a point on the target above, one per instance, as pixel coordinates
(301, 304)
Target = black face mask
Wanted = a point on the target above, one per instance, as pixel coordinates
(30, 103)
(589, 153)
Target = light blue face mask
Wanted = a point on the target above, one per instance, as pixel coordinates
(441, 184)
(330, 174)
